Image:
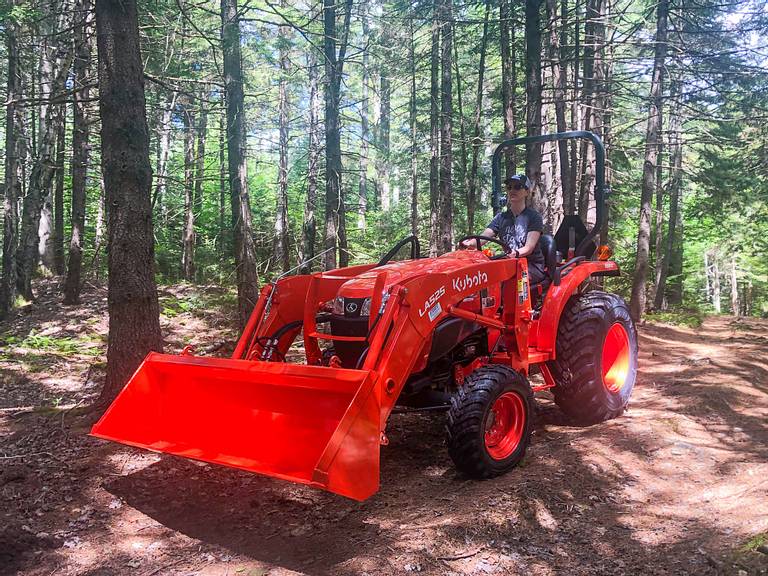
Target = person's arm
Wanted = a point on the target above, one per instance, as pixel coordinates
(530, 244)
(489, 232)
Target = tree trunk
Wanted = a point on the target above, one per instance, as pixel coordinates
(202, 135)
(40, 181)
(362, 186)
(715, 282)
(434, 133)
(245, 251)
(463, 159)
(637, 301)
(335, 229)
(735, 310)
(477, 140)
(414, 139)
(557, 55)
(309, 227)
(188, 232)
(134, 326)
(533, 96)
(223, 229)
(58, 202)
(382, 140)
(445, 200)
(80, 151)
(12, 184)
(98, 241)
(658, 225)
(675, 192)
(282, 255)
(163, 151)
(508, 76)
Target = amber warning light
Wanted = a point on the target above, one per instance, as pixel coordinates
(604, 252)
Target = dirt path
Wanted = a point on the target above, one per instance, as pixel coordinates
(679, 485)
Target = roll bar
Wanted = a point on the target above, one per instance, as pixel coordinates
(601, 189)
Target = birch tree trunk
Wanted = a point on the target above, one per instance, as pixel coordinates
(638, 299)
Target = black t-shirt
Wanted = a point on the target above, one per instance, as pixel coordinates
(513, 231)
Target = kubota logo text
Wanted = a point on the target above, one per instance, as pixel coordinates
(461, 284)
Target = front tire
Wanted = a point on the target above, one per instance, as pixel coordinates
(596, 364)
(490, 422)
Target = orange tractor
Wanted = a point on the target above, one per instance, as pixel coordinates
(460, 333)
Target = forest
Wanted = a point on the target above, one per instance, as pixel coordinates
(164, 160)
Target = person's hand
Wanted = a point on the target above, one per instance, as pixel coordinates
(468, 243)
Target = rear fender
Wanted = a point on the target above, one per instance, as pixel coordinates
(557, 297)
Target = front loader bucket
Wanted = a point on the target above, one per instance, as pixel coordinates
(308, 424)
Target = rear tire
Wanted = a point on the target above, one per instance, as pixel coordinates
(490, 421)
(596, 364)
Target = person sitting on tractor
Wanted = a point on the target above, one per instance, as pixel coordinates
(519, 227)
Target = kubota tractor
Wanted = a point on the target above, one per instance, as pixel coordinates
(460, 333)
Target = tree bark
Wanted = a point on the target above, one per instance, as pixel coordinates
(414, 138)
(282, 255)
(335, 229)
(188, 232)
(715, 282)
(445, 201)
(80, 151)
(245, 251)
(134, 326)
(383, 141)
(735, 309)
(675, 191)
(163, 151)
(40, 179)
(434, 133)
(309, 227)
(362, 185)
(638, 299)
(12, 183)
(533, 96)
(557, 55)
(223, 242)
(202, 135)
(508, 77)
(477, 140)
(58, 202)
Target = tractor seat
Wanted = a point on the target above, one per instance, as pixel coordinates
(549, 249)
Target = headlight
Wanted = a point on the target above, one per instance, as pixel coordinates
(338, 306)
(365, 309)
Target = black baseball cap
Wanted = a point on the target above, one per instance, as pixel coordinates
(518, 179)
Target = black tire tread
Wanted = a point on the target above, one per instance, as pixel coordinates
(466, 418)
(578, 392)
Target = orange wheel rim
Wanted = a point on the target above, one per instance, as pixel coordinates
(504, 425)
(616, 356)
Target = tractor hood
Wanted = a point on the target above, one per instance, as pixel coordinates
(398, 272)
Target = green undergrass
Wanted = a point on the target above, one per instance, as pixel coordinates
(690, 318)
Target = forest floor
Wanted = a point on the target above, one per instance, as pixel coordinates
(678, 485)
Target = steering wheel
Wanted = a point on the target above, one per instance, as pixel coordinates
(478, 237)
(415, 250)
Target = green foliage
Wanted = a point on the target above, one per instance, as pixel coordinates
(685, 317)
